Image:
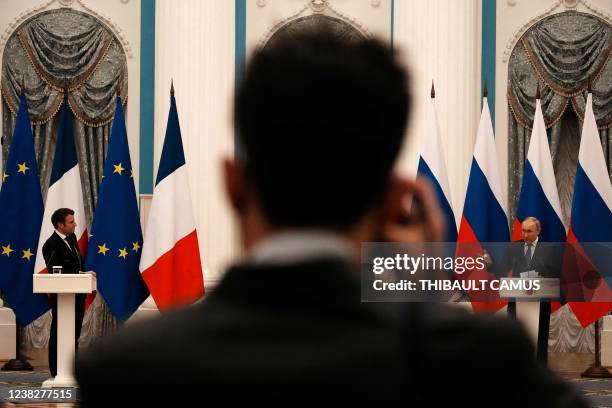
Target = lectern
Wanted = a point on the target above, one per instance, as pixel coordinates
(65, 286)
(528, 302)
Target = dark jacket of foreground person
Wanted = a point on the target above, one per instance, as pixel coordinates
(287, 335)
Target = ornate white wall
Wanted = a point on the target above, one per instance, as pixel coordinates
(441, 40)
(195, 46)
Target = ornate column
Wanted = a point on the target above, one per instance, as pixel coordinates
(440, 40)
(195, 47)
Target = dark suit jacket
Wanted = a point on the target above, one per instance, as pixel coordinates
(546, 260)
(56, 253)
(299, 334)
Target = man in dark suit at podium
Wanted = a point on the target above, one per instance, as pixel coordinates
(61, 249)
(526, 255)
(530, 255)
(321, 121)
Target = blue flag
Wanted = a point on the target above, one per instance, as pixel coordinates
(21, 212)
(114, 246)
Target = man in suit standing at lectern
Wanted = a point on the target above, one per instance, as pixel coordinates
(61, 249)
(528, 255)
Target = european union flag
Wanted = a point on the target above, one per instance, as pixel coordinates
(21, 212)
(114, 246)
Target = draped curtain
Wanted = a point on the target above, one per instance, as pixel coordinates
(51, 53)
(563, 55)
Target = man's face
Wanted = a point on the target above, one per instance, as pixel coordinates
(530, 231)
(67, 227)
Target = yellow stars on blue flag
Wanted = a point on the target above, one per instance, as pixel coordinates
(27, 254)
(120, 281)
(4, 177)
(22, 168)
(6, 250)
(21, 205)
(118, 168)
(123, 253)
(102, 249)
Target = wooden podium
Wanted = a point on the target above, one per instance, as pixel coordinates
(528, 302)
(65, 286)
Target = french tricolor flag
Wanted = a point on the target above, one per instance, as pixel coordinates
(591, 219)
(170, 263)
(64, 191)
(432, 166)
(484, 214)
(539, 196)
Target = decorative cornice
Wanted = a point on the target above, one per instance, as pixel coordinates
(318, 6)
(26, 14)
(567, 4)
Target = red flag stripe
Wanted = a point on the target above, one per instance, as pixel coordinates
(184, 262)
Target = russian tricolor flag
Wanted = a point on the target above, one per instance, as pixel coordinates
(539, 196)
(432, 166)
(484, 215)
(170, 263)
(64, 190)
(591, 219)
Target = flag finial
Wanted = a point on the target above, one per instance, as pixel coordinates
(171, 88)
(485, 92)
(433, 91)
(538, 91)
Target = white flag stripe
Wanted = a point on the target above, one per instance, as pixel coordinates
(433, 153)
(540, 159)
(591, 157)
(65, 193)
(170, 217)
(486, 155)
